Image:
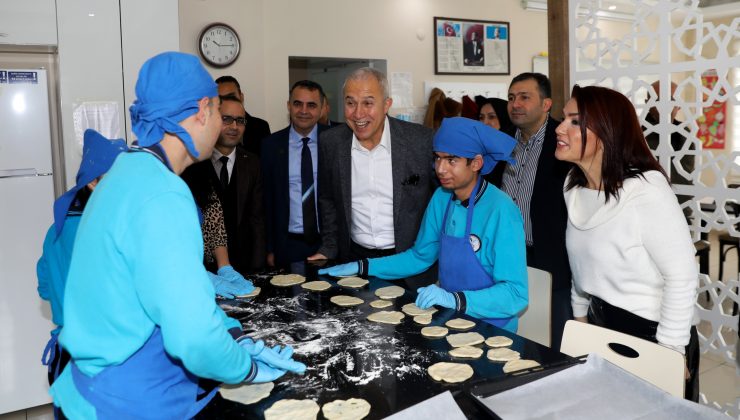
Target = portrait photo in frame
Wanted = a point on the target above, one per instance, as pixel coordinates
(463, 46)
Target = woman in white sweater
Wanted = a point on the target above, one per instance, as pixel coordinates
(628, 243)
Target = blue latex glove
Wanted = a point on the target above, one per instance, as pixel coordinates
(266, 373)
(349, 269)
(240, 284)
(222, 286)
(276, 357)
(434, 295)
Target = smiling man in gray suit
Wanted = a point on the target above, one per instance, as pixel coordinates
(375, 178)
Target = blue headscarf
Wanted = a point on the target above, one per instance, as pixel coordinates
(467, 138)
(98, 154)
(167, 91)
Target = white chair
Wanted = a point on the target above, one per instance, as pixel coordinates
(661, 366)
(534, 321)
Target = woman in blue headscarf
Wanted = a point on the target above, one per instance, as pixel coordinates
(473, 229)
(98, 154)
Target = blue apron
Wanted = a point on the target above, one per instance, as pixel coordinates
(148, 385)
(50, 353)
(459, 268)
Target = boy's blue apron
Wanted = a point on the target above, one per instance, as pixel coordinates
(459, 268)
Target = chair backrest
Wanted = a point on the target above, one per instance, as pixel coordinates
(534, 321)
(661, 366)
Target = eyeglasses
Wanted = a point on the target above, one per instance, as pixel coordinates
(228, 120)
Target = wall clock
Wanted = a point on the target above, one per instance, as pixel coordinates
(219, 45)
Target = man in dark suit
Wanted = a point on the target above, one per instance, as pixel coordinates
(535, 183)
(256, 128)
(375, 178)
(234, 174)
(289, 165)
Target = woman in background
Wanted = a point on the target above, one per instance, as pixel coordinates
(628, 243)
(493, 113)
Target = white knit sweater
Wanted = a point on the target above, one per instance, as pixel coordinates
(635, 253)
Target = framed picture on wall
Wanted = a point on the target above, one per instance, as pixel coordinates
(463, 46)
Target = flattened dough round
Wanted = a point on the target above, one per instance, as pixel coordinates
(317, 286)
(386, 317)
(423, 319)
(467, 352)
(460, 324)
(293, 409)
(380, 303)
(251, 294)
(412, 310)
(434, 332)
(353, 282)
(502, 354)
(450, 372)
(344, 300)
(499, 341)
(246, 394)
(285, 280)
(353, 408)
(390, 292)
(519, 364)
(464, 339)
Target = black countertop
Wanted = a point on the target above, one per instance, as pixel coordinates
(350, 357)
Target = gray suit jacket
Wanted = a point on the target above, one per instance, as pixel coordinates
(414, 182)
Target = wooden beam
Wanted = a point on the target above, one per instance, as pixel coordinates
(558, 51)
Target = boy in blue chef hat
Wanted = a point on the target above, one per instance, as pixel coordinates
(98, 154)
(471, 227)
(140, 321)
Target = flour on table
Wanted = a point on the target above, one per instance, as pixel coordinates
(380, 303)
(353, 282)
(519, 364)
(412, 310)
(353, 408)
(464, 339)
(386, 317)
(251, 294)
(467, 352)
(499, 341)
(317, 286)
(434, 332)
(502, 354)
(390, 292)
(460, 324)
(246, 394)
(450, 372)
(423, 319)
(292, 409)
(344, 300)
(285, 280)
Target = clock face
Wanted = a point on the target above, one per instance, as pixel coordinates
(219, 45)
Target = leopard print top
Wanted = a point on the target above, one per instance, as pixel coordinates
(214, 230)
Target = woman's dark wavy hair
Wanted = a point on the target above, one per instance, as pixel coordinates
(612, 118)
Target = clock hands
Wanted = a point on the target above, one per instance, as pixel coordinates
(223, 45)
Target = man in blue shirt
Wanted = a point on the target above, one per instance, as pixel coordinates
(470, 226)
(140, 320)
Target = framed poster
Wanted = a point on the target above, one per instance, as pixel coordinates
(463, 46)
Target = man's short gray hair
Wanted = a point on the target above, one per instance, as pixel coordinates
(366, 72)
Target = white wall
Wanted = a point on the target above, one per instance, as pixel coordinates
(272, 30)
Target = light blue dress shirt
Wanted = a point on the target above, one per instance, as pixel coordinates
(295, 186)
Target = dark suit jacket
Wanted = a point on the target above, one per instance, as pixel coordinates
(255, 130)
(242, 203)
(547, 211)
(414, 182)
(276, 198)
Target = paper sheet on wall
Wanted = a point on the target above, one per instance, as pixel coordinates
(103, 117)
(402, 90)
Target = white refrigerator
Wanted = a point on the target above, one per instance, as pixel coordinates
(26, 199)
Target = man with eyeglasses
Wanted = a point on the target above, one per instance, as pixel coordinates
(289, 163)
(234, 174)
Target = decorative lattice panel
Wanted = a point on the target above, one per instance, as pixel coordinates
(671, 41)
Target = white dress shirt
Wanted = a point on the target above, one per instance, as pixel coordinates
(372, 194)
(216, 155)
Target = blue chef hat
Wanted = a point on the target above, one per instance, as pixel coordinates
(466, 138)
(167, 91)
(98, 154)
